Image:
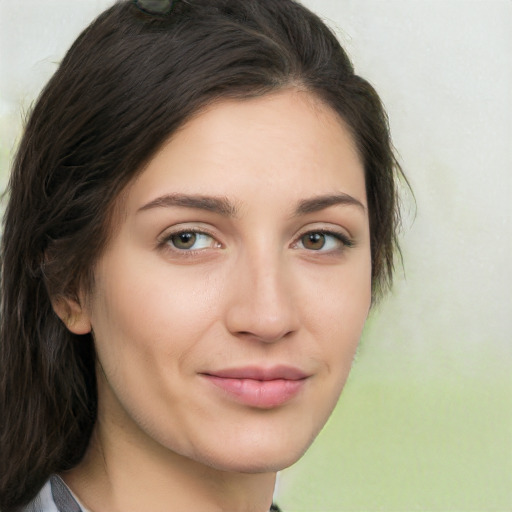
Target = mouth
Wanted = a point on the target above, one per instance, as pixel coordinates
(262, 388)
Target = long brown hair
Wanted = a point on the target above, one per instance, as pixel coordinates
(129, 81)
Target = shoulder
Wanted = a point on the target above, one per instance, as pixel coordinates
(53, 497)
(43, 502)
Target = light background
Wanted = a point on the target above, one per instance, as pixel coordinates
(425, 421)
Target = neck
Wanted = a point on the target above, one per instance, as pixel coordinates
(125, 471)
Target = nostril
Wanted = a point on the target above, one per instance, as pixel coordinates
(265, 336)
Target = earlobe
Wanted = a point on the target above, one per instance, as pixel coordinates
(72, 314)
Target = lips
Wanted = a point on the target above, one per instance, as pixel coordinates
(263, 388)
(263, 374)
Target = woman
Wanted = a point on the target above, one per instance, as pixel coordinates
(202, 210)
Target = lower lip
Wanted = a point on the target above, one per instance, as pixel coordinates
(264, 394)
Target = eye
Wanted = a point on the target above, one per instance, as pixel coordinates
(191, 241)
(324, 241)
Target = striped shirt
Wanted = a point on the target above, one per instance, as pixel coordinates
(56, 496)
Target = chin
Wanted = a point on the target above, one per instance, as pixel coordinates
(257, 451)
(254, 463)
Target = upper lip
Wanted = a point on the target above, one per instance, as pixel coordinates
(260, 373)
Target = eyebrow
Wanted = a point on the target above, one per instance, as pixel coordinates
(223, 206)
(220, 205)
(319, 203)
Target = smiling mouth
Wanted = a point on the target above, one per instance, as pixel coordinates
(258, 387)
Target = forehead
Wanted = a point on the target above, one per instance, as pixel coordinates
(286, 142)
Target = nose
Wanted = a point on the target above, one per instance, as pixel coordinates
(262, 304)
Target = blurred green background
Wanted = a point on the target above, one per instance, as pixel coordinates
(425, 420)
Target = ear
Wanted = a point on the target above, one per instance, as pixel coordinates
(74, 316)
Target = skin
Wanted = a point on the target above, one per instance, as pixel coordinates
(252, 290)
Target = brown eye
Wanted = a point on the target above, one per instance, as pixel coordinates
(324, 241)
(313, 241)
(183, 240)
(191, 241)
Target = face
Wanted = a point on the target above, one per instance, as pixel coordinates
(229, 302)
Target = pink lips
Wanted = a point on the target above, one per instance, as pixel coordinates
(263, 388)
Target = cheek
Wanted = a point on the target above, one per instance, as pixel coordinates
(149, 321)
(339, 296)
(336, 309)
(151, 309)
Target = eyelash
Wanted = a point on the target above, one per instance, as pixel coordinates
(341, 238)
(167, 242)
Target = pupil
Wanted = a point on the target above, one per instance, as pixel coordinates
(184, 240)
(314, 241)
